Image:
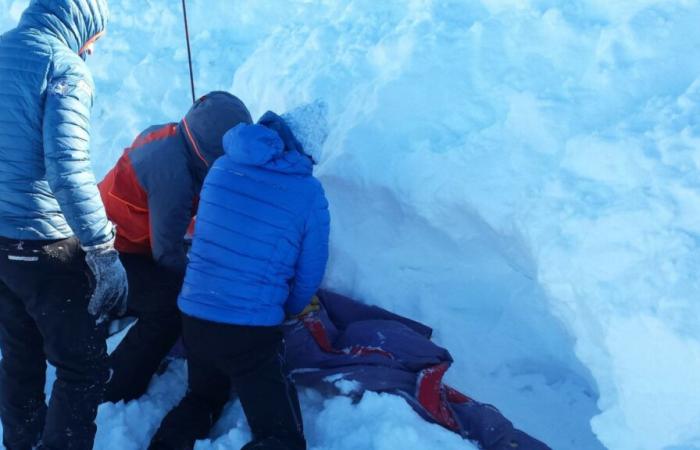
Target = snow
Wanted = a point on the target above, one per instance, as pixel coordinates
(521, 175)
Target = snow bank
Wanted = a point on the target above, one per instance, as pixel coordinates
(520, 174)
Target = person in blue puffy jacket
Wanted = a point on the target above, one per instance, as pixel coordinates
(258, 255)
(60, 276)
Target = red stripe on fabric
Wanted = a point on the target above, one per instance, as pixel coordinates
(359, 350)
(318, 331)
(194, 142)
(454, 396)
(320, 335)
(430, 395)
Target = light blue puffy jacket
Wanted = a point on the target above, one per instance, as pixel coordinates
(260, 244)
(47, 187)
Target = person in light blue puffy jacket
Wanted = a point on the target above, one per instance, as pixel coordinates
(60, 277)
(258, 255)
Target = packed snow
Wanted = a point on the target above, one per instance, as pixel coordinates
(522, 175)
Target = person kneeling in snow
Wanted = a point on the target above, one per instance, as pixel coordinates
(151, 195)
(259, 253)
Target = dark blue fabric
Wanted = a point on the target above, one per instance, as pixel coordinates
(208, 120)
(171, 171)
(47, 188)
(349, 324)
(261, 241)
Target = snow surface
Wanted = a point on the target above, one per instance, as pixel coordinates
(520, 174)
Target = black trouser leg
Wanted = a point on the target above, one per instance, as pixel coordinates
(152, 300)
(207, 392)
(251, 358)
(50, 279)
(270, 402)
(79, 353)
(22, 375)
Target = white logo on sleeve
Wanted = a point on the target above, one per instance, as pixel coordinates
(62, 88)
(59, 88)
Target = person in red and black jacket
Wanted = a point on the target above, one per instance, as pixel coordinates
(151, 195)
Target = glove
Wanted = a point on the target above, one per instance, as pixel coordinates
(111, 285)
(313, 306)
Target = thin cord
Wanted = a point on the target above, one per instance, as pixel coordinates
(189, 49)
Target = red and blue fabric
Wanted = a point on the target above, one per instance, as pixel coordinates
(152, 193)
(382, 352)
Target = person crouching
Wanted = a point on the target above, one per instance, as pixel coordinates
(259, 254)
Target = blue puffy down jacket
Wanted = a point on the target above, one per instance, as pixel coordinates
(260, 245)
(47, 188)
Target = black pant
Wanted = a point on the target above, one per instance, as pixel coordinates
(44, 292)
(249, 359)
(153, 293)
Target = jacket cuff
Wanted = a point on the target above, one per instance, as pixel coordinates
(295, 305)
(105, 245)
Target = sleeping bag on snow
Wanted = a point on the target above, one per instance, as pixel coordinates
(383, 352)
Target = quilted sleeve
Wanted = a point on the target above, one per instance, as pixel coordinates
(66, 137)
(311, 265)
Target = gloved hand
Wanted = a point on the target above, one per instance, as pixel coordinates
(111, 286)
(313, 306)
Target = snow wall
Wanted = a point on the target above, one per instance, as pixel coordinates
(521, 175)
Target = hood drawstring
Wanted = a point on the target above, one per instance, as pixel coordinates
(193, 141)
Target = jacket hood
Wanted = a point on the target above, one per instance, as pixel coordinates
(74, 22)
(206, 123)
(269, 144)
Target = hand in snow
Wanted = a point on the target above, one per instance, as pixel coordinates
(111, 286)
